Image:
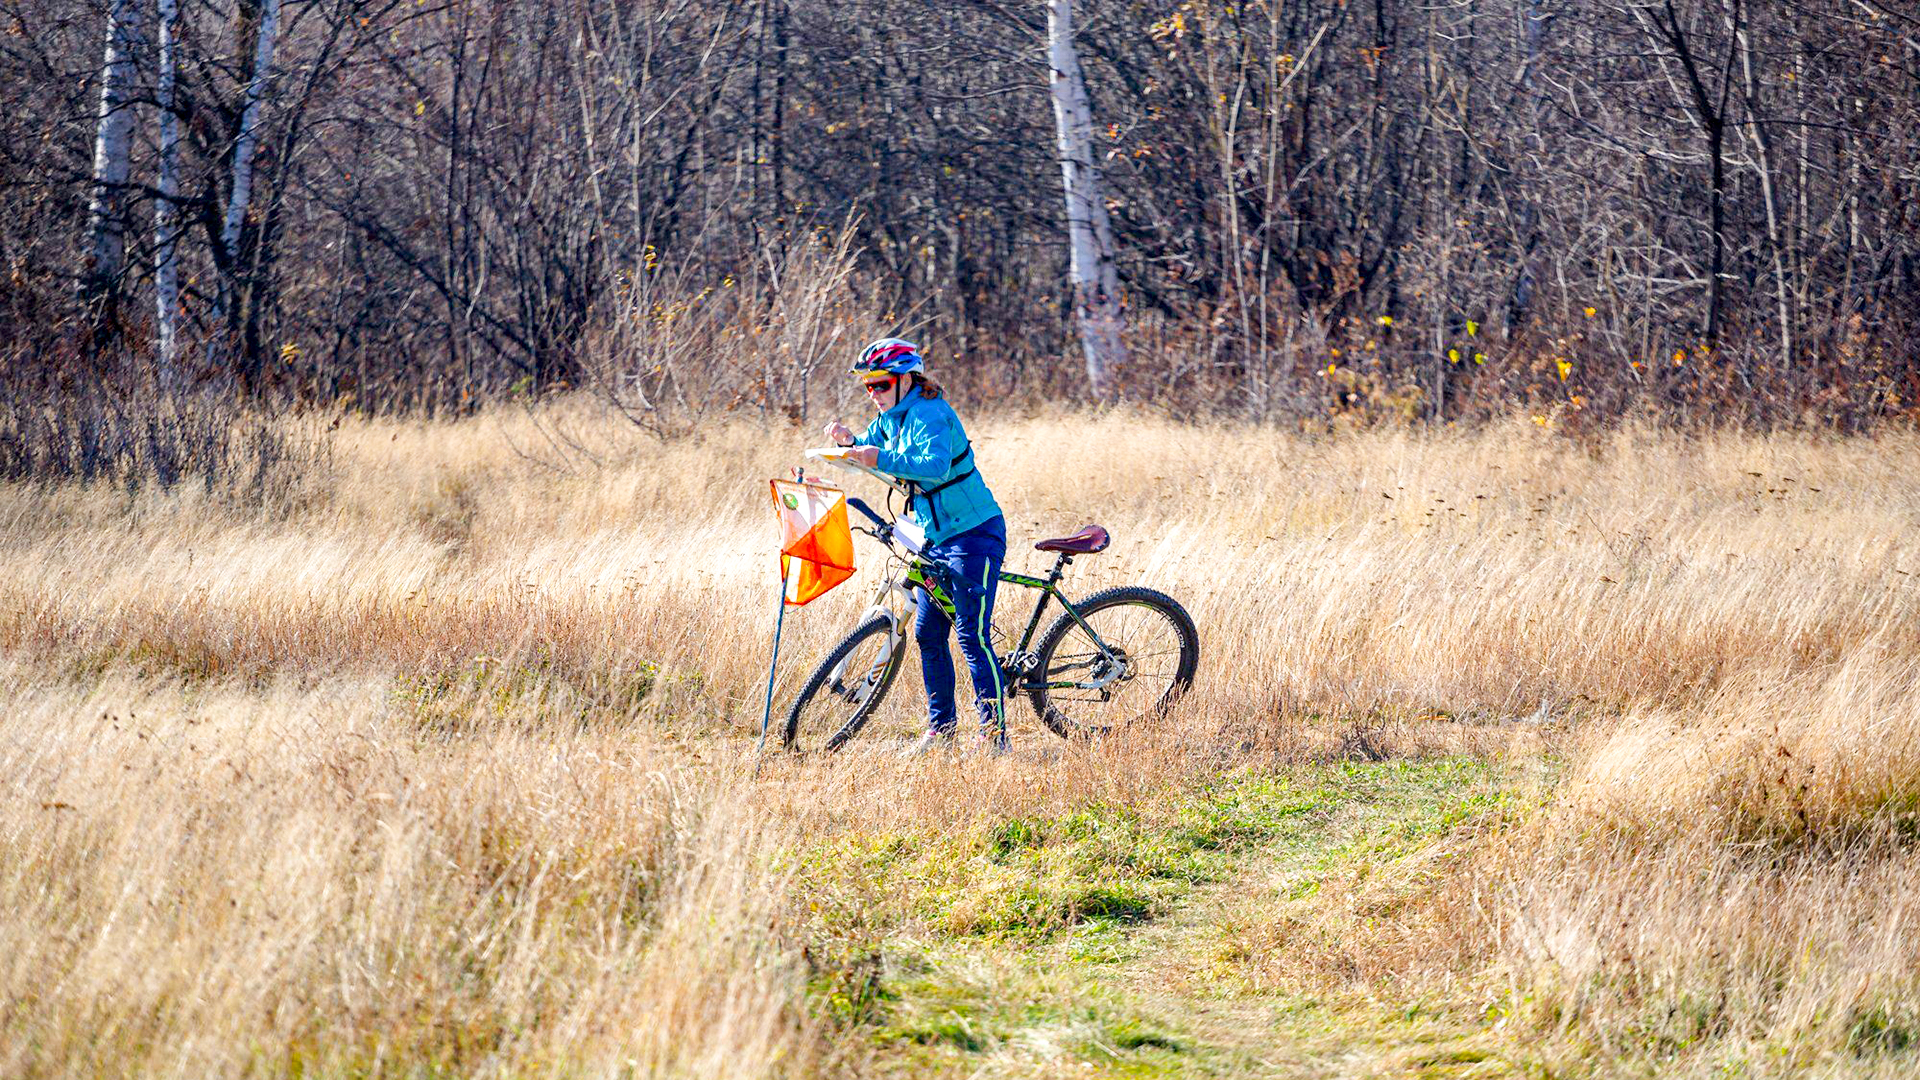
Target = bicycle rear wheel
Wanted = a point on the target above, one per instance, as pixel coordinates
(1131, 652)
(843, 692)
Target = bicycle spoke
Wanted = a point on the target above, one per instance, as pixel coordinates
(1120, 661)
(842, 696)
(1119, 686)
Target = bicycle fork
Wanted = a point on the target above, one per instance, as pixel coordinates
(890, 602)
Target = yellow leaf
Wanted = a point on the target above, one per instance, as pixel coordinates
(1565, 369)
(1472, 328)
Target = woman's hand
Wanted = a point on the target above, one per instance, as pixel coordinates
(839, 434)
(866, 455)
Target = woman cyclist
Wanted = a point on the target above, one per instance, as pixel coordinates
(918, 439)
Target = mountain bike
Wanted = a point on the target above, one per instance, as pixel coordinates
(1116, 657)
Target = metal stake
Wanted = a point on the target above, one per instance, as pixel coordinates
(766, 717)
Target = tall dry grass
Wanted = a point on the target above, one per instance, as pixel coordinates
(1474, 573)
(1741, 876)
(231, 880)
(447, 762)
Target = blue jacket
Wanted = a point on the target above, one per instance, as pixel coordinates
(921, 441)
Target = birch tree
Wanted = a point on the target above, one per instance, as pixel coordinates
(166, 215)
(1096, 287)
(112, 152)
(245, 141)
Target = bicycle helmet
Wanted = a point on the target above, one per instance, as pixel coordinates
(888, 356)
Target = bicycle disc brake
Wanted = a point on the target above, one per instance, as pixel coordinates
(1110, 669)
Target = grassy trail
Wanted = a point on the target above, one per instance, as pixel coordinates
(1186, 992)
(1183, 969)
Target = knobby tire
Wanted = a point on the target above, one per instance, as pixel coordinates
(1055, 707)
(823, 698)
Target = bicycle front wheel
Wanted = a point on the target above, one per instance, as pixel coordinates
(843, 692)
(1127, 656)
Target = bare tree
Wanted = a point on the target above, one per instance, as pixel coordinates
(1709, 111)
(112, 159)
(1095, 281)
(245, 141)
(166, 214)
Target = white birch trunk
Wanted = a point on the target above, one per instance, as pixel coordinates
(1756, 133)
(112, 152)
(1096, 284)
(244, 143)
(248, 137)
(166, 216)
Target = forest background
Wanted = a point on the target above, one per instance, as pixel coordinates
(1699, 211)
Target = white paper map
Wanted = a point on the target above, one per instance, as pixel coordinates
(842, 456)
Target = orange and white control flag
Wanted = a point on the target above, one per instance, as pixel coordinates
(816, 541)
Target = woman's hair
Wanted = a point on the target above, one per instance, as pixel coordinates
(928, 388)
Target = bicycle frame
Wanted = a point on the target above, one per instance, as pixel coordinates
(895, 593)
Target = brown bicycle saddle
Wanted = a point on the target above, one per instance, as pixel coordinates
(1088, 540)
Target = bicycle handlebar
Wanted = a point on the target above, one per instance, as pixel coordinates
(868, 511)
(897, 535)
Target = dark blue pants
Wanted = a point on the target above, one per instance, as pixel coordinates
(969, 569)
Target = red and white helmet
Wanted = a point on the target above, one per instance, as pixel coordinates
(890, 356)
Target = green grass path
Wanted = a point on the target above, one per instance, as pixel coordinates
(1221, 936)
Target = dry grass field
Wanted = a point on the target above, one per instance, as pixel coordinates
(1512, 752)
